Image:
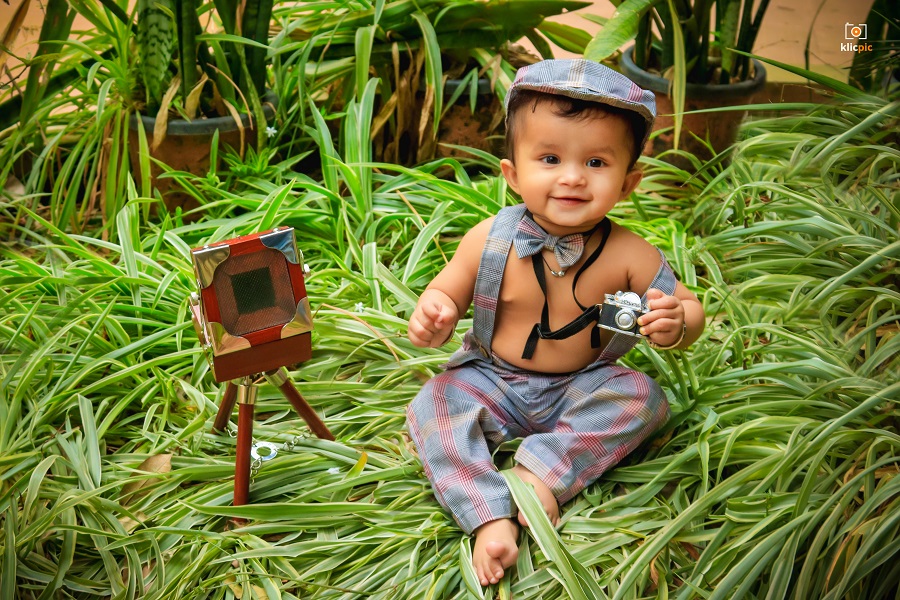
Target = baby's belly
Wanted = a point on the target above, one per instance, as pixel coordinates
(550, 356)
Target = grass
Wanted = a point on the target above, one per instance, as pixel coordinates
(777, 476)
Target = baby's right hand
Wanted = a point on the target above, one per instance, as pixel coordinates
(431, 324)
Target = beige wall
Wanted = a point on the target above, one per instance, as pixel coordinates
(788, 23)
(24, 43)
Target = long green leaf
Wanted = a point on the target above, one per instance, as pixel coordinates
(619, 30)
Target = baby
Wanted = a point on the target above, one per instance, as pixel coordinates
(538, 363)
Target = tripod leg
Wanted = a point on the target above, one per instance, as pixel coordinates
(246, 398)
(225, 408)
(281, 380)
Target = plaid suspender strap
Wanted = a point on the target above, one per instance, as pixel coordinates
(490, 272)
(664, 280)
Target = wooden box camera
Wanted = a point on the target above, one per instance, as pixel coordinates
(251, 313)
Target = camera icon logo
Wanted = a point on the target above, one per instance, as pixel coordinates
(854, 31)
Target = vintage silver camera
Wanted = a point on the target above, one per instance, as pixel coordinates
(620, 313)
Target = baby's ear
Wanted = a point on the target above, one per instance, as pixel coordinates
(631, 181)
(508, 168)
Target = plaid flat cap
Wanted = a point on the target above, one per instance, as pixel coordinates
(586, 80)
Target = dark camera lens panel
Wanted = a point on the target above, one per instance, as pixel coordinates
(253, 290)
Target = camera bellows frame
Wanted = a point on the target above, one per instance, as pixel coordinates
(251, 314)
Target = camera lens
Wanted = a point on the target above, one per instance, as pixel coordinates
(625, 319)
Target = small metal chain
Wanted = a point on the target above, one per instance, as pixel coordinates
(259, 459)
(254, 469)
(291, 443)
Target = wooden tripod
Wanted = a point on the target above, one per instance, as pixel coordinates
(244, 394)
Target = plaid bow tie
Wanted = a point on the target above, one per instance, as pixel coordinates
(530, 239)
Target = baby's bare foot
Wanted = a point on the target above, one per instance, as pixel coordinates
(544, 494)
(495, 549)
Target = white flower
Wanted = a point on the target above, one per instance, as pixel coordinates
(271, 131)
(334, 470)
(360, 307)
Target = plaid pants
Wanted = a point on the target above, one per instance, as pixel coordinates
(575, 426)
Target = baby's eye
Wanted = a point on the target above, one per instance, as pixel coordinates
(595, 162)
(550, 159)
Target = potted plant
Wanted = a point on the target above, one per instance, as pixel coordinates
(432, 57)
(694, 54)
(201, 73)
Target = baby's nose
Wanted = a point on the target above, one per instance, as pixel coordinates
(572, 174)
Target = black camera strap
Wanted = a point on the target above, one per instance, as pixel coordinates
(590, 314)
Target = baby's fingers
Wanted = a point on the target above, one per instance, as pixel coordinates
(418, 334)
(653, 294)
(422, 328)
(435, 313)
(431, 325)
(656, 300)
(662, 325)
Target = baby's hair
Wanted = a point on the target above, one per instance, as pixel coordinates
(572, 108)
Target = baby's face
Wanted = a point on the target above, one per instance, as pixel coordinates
(570, 172)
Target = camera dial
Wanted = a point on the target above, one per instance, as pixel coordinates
(629, 298)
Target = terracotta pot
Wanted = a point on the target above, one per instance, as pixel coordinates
(719, 127)
(187, 147)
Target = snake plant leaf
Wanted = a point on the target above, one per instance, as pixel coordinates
(187, 29)
(228, 13)
(156, 39)
(619, 30)
(728, 35)
(257, 16)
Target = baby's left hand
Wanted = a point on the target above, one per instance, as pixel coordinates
(665, 321)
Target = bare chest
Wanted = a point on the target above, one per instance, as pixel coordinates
(521, 294)
(521, 301)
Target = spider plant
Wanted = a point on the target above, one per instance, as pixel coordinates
(778, 475)
(66, 148)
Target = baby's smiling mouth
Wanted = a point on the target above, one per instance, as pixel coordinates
(571, 199)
